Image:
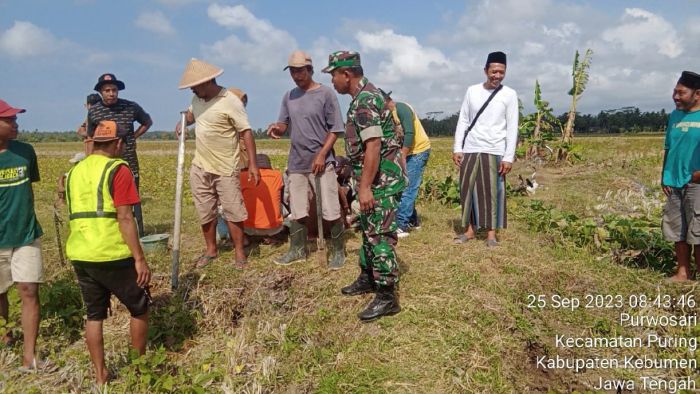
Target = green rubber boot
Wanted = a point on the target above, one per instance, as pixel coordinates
(297, 245)
(337, 246)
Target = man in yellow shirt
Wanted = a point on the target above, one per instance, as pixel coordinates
(416, 151)
(220, 121)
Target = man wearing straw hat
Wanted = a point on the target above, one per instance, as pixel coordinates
(220, 120)
(311, 114)
(124, 112)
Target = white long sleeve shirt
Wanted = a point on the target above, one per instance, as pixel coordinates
(496, 130)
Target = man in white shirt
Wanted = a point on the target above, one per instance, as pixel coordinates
(484, 150)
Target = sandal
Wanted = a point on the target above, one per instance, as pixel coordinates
(461, 239)
(671, 281)
(491, 243)
(240, 265)
(38, 367)
(203, 261)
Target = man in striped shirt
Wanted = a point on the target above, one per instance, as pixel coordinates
(125, 113)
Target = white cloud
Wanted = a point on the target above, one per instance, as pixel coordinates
(407, 58)
(264, 49)
(25, 39)
(324, 46)
(641, 29)
(155, 22)
(637, 53)
(532, 48)
(564, 32)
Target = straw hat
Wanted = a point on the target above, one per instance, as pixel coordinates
(197, 72)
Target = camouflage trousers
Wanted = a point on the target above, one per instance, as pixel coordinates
(378, 251)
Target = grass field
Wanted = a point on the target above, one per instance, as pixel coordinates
(466, 324)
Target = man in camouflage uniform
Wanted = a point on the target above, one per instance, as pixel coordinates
(373, 148)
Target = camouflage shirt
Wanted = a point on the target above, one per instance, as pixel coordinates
(369, 117)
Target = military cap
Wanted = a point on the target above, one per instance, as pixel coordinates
(342, 59)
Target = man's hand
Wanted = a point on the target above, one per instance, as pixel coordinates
(189, 119)
(504, 168)
(667, 190)
(366, 199)
(404, 157)
(457, 158)
(319, 164)
(275, 130)
(82, 131)
(253, 174)
(143, 274)
(696, 177)
(178, 130)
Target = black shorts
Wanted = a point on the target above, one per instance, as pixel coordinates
(98, 281)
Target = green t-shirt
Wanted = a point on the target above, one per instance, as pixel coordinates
(406, 116)
(683, 146)
(18, 169)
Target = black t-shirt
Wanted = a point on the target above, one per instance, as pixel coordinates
(124, 113)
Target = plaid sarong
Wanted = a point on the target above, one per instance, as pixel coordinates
(482, 191)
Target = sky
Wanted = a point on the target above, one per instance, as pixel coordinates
(426, 52)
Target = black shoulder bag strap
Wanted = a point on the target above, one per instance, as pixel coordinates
(483, 107)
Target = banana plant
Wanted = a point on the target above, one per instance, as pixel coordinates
(539, 126)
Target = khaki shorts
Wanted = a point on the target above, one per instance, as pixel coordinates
(301, 192)
(681, 218)
(211, 190)
(23, 264)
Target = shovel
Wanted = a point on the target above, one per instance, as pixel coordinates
(320, 241)
(57, 221)
(175, 268)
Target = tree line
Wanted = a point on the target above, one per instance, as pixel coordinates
(615, 121)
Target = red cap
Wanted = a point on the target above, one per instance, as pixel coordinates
(107, 130)
(6, 111)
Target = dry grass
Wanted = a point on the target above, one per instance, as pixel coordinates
(464, 326)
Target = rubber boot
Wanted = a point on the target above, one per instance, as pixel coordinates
(385, 303)
(337, 246)
(297, 244)
(363, 284)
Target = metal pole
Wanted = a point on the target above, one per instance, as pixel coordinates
(178, 202)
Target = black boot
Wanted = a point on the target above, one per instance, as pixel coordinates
(297, 245)
(385, 303)
(337, 246)
(363, 284)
